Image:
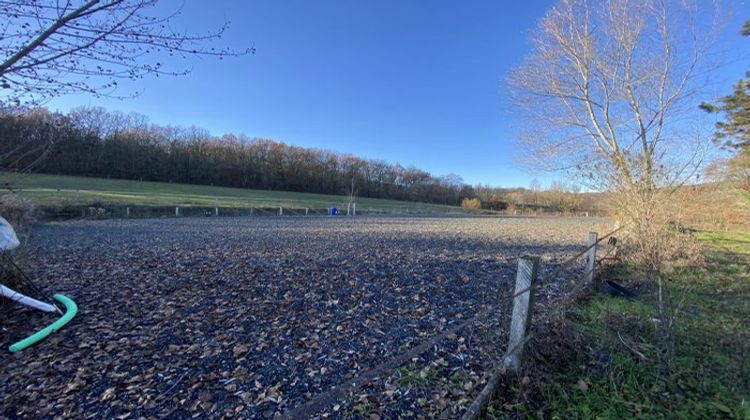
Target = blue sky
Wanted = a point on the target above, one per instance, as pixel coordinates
(414, 82)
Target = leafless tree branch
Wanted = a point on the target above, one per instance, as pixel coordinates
(48, 48)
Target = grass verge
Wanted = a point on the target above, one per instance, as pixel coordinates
(603, 362)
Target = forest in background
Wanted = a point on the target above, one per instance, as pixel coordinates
(94, 142)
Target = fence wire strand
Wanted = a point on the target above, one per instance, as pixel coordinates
(480, 402)
(562, 266)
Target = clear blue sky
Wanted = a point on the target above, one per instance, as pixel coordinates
(414, 82)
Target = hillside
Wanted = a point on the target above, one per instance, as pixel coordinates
(55, 190)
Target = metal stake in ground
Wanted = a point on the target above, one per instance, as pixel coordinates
(528, 268)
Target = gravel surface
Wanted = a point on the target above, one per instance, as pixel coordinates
(257, 317)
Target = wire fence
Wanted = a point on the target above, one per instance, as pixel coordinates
(68, 212)
(488, 335)
(569, 281)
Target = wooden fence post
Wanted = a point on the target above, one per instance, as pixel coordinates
(306, 209)
(127, 211)
(281, 211)
(216, 211)
(590, 259)
(354, 209)
(177, 211)
(528, 268)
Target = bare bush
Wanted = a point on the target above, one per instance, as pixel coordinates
(716, 206)
(656, 243)
(18, 211)
(471, 204)
(656, 240)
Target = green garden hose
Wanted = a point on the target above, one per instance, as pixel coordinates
(70, 311)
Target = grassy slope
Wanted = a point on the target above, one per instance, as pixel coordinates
(54, 189)
(599, 377)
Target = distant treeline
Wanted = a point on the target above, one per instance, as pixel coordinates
(91, 141)
(95, 142)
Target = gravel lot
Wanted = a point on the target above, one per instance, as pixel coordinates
(254, 317)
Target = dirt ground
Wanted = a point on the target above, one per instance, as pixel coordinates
(268, 317)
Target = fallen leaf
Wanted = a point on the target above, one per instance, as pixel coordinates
(582, 385)
(107, 395)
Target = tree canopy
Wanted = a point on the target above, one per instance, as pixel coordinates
(734, 132)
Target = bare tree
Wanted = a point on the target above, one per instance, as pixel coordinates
(452, 183)
(51, 47)
(609, 86)
(536, 187)
(36, 130)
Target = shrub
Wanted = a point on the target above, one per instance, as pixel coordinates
(655, 238)
(496, 204)
(18, 211)
(471, 204)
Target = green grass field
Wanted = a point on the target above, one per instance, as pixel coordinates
(52, 190)
(609, 362)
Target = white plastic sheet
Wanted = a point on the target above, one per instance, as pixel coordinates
(8, 238)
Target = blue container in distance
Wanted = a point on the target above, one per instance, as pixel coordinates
(332, 211)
